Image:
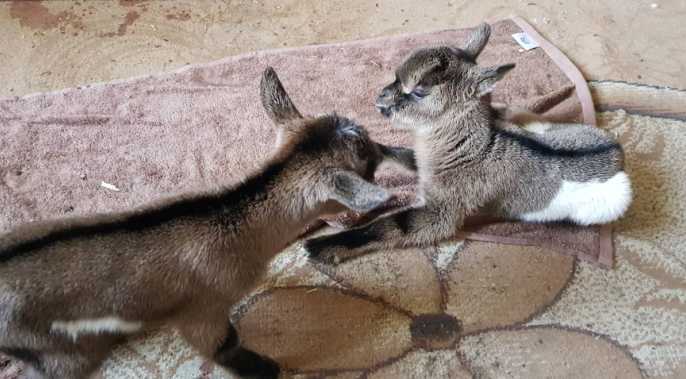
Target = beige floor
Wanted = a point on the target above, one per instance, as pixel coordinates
(57, 44)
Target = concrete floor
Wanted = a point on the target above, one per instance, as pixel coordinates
(55, 44)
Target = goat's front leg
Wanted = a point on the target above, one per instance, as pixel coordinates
(244, 362)
(414, 227)
(216, 338)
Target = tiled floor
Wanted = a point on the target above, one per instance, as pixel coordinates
(55, 44)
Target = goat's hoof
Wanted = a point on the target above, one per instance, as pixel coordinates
(312, 248)
(248, 364)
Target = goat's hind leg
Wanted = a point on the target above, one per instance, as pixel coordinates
(54, 364)
(69, 365)
(517, 115)
(21, 363)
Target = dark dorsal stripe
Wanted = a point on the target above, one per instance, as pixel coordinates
(232, 200)
(255, 188)
(548, 151)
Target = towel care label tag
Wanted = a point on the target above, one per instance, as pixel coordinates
(525, 41)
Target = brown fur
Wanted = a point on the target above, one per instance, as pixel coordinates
(181, 262)
(472, 157)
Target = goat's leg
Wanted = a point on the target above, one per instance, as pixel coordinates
(218, 340)
(244, 362)
(60, 360)
(68, 365)
(517, 115)
(414, 227)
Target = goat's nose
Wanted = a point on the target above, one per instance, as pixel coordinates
(384, 102)
(381, 102)
(384, 99)
(382, 106)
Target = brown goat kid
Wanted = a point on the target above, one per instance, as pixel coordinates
(70, 290)
(471, 156)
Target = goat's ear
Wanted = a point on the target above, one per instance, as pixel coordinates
(488, 77)
(477, 41)
(355, 193)
(401, 155)
(430, 72)
(275, 100)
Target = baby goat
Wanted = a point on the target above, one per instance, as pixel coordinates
(70, 290)
(469, 159)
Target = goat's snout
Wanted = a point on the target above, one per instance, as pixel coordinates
(384, 103)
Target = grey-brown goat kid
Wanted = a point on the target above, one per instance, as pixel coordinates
(470, 157)
(70, 290)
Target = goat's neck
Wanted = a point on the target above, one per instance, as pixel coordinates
(273, 212)
(455, 138)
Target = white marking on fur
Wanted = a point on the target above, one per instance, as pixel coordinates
(279, 138)
(537, 127)
(96, 326)
(587, 203)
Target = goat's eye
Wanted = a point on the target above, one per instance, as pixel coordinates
(418, 93)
